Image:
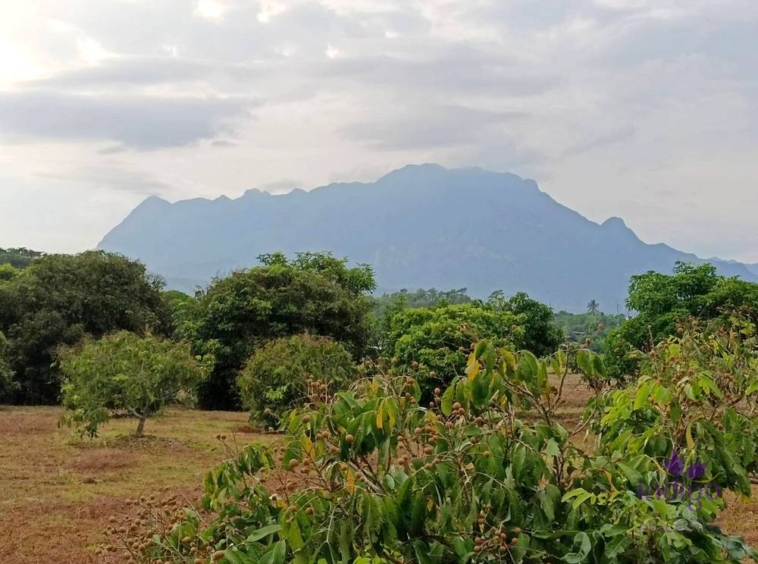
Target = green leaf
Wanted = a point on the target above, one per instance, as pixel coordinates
(264, 532)
(448, 399)
(582, 547)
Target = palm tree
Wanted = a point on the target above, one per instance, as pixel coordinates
(593, 307)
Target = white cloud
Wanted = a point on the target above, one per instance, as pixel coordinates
(332, 52)
(91, 51)
(211, 9)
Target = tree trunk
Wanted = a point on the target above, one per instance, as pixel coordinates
(141, 426)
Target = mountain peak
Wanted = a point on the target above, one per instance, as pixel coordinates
(614, 223)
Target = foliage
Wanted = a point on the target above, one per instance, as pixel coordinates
(61, 299)
(8, 272)
(6, 374)
(590, 329)
(696, 396)
(124, 373)
(313, 293)
(486, 475)
(434, 343)
(18, 258)
(277, 378)
(662, 302)
(419, 299)
(541, 335)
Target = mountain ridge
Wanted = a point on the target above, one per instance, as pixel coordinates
(418, 226)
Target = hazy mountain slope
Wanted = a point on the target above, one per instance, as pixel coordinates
(420, 226)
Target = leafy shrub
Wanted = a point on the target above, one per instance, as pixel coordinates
(487, 475)
(126, 374)
(278, 376)
(695, 396)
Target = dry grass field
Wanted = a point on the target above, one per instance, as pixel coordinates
(57, 493)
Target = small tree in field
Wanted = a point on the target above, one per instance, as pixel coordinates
(126, 374)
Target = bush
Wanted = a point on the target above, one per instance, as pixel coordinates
(434, 344)
(486, 475)
(694, 397)
(279, 375)
(126, 374)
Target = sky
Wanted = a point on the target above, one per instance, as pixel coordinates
(643, 109)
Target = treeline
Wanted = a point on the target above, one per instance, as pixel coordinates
(248, 322)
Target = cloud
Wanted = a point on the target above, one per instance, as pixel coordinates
(115, 178)
(429, 127)
(601, 101)
(137, 122)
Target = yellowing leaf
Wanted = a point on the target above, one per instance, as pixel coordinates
(473, 369)
(690, 440)
(380, 416)
(430, 504)
(308, 446)
(350, 478)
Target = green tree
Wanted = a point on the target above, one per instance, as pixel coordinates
(19, 258)
(664, 302)
(541, 335)
(126, 374)
(434, 343)
(61, 299)
(313, 293)
(593, 308)
(283, 373)
(6, 374)
(7, 272)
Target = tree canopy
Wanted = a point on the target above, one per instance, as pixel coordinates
(280, 375)
(663, 302)
(60, 299)
(313, 293)
(126, 374)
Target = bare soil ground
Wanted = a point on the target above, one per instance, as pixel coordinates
(57, 493)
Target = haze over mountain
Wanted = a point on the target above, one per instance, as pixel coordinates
(420, 226)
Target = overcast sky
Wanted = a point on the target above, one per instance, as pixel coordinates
(644, 109)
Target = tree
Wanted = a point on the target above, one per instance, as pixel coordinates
(281, 373)
(313, 293)
(541, 335)
(19, 258)
(7, 272)
(434, 343)
(124, 373)
(61, 299)
(664, 302)
(593, 308)
(6, 374)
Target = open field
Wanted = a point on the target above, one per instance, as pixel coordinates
(58, 493)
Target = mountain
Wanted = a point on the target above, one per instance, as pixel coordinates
(420, 227)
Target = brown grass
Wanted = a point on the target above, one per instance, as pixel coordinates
(57, 494)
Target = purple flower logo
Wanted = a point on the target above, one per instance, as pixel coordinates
(696, 470)
(675, 465)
